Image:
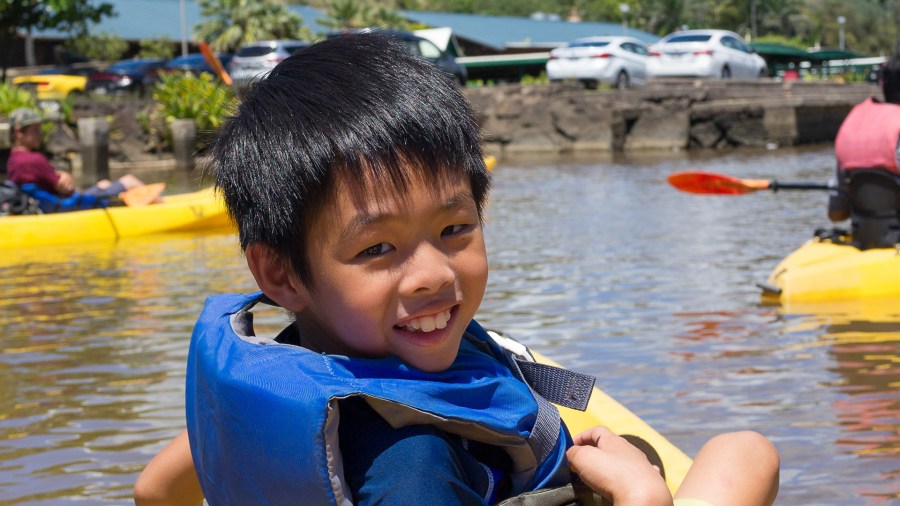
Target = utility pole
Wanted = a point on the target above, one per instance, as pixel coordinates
(184, 42)
(841, 20)
(753, 19)
(624, 9)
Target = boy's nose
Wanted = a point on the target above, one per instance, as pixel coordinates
(428, 270)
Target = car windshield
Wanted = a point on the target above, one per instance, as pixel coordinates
(254, 51)
(184, 60)
(589, 44)
(689, 38)
(126, 66)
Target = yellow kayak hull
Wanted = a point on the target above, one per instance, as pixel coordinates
(198, 210)
(604, 410)
(823, 271)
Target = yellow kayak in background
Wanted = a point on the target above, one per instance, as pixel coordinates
(604, 410)
(825, 271)
(490, 161)
(200, 210)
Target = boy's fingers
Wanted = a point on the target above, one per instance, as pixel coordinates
(592, 436)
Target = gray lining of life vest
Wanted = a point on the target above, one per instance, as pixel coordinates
(333, 456)
(242, 325)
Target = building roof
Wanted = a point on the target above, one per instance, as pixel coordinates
(505, 32)
(774, 50)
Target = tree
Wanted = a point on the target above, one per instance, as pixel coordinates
(161, 47)
(102, 46)
(361, 14)
(232, 23)
(29, 15)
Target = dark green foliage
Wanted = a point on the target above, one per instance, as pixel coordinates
(870, 29)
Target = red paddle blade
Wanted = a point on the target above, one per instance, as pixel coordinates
(710, 183)
(213, 61)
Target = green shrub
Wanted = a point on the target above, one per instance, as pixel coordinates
(180, 95)
(539, 79)
(13, 97)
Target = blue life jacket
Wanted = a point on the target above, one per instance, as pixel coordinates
(262, 417)
(51, 203)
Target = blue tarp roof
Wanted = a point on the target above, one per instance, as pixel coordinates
(501, 32)
(150, 19)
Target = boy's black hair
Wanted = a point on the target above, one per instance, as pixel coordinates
(360, 107)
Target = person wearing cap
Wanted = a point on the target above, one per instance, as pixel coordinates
(867, 149)
(27, 164)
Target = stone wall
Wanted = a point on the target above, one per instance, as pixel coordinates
(670, 114)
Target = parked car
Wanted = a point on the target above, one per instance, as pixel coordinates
(704, 53)
(56, 83)
(125, 76)
(255, 60)
(422, 47)
(616, 61)
(193, 62)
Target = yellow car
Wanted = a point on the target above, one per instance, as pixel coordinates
(55, 84)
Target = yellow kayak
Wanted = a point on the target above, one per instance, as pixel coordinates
(604, 410)
(825, 271)
(198, 210)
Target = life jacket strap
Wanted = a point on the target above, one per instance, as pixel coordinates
(557, 385)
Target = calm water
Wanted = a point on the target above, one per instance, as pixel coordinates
(595, 262)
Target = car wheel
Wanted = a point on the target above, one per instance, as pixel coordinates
(726, 72)
(622, 80)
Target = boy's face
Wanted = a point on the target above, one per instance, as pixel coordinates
(396, 273)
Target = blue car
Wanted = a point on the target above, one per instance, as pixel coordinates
(125, 76)
(193, 62)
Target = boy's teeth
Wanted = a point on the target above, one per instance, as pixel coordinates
(429, 323)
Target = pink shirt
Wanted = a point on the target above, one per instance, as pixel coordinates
(868, 137)
(31, 167)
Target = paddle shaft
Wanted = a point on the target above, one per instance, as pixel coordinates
(776, 185)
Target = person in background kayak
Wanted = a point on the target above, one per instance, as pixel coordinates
(867, 149)
(356, 177)
(27, 164)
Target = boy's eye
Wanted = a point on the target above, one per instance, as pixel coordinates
(376, 249)
(454, 229)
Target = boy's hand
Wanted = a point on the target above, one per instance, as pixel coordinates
(66, 184)
(616, 469)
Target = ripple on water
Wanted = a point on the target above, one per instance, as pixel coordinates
(597, 264)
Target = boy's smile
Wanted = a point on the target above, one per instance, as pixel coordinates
(395, 272)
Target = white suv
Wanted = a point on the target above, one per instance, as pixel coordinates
(255, 60)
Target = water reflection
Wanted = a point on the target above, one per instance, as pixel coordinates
(862, 340)
(93, 334)
(597, 263)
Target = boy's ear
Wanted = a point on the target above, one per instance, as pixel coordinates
(275, 279)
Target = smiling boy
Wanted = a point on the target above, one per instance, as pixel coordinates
(399, 276)
(355, 174)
